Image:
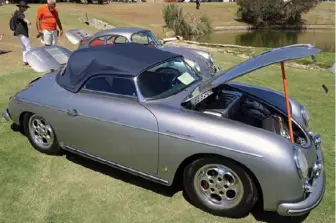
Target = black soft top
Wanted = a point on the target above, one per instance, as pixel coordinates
(126, 59)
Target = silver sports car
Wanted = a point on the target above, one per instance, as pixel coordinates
(148, 112)
(199, 59)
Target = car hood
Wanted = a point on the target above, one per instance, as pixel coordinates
(265, 59)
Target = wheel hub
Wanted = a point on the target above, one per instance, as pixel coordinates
(218, 186)
(41, 132)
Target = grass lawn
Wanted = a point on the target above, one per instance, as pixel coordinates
(40, 188)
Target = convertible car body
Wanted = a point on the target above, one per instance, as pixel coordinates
(147, 112)
(199, 59)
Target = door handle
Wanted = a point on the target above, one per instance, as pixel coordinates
(72, 112)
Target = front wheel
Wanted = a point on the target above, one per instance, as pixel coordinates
(41, 134)
(220, 186)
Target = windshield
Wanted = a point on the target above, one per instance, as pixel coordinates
(166, 79)
(146, 38)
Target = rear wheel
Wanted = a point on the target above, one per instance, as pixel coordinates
(41, 134)
(220, 186)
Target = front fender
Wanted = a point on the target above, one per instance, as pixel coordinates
(184, 134)
(276, 175)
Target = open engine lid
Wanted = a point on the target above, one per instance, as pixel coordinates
(76, 35)
(43, 59)
(270, 57)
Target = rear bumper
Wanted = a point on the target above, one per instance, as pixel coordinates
(313, 199)
(6, 115)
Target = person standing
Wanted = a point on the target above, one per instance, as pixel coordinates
(21, 28)
(198, 4)
(47, 20)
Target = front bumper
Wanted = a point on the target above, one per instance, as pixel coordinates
(6, 115)
(314, 198)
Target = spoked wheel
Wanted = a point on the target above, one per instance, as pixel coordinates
(41, 134)
(219, 186)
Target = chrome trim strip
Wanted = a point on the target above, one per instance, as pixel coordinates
(141, 98)
(116, 165)
(209, 144)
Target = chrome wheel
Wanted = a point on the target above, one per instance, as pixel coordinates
(218, 186)
(41, 132)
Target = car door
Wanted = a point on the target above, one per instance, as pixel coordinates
(106, 120)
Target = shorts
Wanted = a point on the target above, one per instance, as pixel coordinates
(49, 37)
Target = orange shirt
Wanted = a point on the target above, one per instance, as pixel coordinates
(47, 18)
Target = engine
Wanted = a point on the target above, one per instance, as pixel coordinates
(243, 108)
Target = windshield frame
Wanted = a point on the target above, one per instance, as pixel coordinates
(142, 98)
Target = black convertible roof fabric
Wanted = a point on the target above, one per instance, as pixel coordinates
(126, 59)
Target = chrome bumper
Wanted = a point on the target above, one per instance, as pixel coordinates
(5, 115)
(314, 198)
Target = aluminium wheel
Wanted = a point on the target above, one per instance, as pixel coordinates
(41, 134)
(220, 187)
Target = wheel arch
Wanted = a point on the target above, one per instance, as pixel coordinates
(179, 172)
(21, 117)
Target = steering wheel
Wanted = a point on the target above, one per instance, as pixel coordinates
(168, 73)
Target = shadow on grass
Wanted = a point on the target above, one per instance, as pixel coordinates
(4, 51)
(258, 213)
(273, 217)
(264, 216)
(122, 175)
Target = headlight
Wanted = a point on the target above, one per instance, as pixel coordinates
(305, 115)
(193, 65)
(301, 162)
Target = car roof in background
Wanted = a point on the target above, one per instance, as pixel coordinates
(121, 31)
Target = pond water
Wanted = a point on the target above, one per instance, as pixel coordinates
(323, 39)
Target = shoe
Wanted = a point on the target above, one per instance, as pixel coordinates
(25, 63)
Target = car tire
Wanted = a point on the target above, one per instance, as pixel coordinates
(40, 134)
(220, 186)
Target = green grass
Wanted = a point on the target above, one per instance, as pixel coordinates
(40, 188)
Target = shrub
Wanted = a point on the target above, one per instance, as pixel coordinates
(186, 24)
(274, 12)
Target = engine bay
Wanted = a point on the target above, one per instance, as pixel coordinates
(235, 105)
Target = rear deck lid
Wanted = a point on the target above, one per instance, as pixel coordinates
(43, 59)
(76, 35)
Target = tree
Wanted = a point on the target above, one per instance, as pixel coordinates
(185, 24)
(263, 13)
